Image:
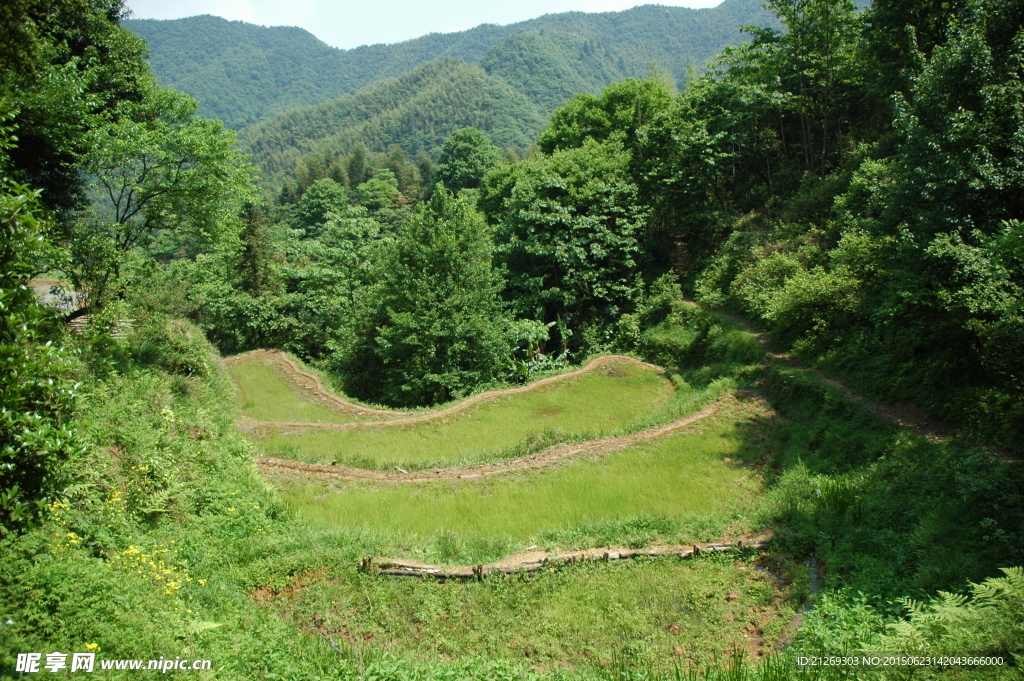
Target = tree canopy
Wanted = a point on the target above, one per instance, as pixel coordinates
(467, 155)
(433, 328)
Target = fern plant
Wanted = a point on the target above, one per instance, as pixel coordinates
(988, 621)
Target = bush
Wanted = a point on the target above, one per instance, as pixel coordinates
(36, 399)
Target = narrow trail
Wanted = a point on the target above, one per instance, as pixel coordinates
(400, 418)
(902, 414)
(309, 384)
(542, 459)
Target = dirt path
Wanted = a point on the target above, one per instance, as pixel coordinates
(547, 457)
(309, 384)
(400, 418)
(903, 414)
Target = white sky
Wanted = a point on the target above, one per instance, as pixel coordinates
(350, 23)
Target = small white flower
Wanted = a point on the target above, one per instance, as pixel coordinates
(9, 622)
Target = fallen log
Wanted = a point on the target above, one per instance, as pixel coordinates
(398, 568)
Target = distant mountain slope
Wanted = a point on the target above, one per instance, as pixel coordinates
(550, 67)
(418, 111)
(242, 73)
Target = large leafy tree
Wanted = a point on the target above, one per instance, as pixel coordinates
(567, 229)
(158, 171)
(101, 160)
(871, 220)
(324, 197)
(66, 69)
(465, 158)
(65, 66)
(814, 64)
(949, 207)
(35, 401)
(775, 114)
(433, 327)
(621, 109)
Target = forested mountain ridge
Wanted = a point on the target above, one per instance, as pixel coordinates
(417, 111)
(242, 73)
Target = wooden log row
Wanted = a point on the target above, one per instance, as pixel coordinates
(398, 568)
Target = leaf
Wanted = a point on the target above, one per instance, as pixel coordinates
(197, 626)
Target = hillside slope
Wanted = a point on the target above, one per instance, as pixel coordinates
(417, 111)
(243, 73)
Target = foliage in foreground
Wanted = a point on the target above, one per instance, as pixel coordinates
(36, 400)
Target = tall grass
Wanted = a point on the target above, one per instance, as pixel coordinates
(642, 614)
(677, 475)
(603, 402)
(263, 394)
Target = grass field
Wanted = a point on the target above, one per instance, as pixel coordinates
(262, 393)
(696, 484)
(679, 475)
(605, 401)
(649, 613)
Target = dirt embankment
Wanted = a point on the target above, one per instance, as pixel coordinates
(548, 457)
(310, 385)
(315, 388)
(530, 561)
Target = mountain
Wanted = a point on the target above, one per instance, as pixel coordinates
(242, 73)
(418, 111)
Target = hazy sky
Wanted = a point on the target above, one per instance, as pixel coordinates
(349, 23)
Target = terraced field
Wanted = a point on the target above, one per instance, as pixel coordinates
(613, 395)
(614, 454)
(614, 439)
(675, 475)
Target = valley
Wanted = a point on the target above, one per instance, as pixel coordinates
(651, 345)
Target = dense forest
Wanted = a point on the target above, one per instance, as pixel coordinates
(807, 203)
(847, 182)
(416, 112)
(242, 73)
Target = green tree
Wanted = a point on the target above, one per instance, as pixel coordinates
(358, 165)
(338, 171)
(465, 158)
(567, 227)
(434, 326)
(379, 192)
(950, 195)
(815, 65)
(68, 73)
(323, 197)
(254, 260)
(427, 171)
(404, 172)
(622, 108)
(157, 170)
